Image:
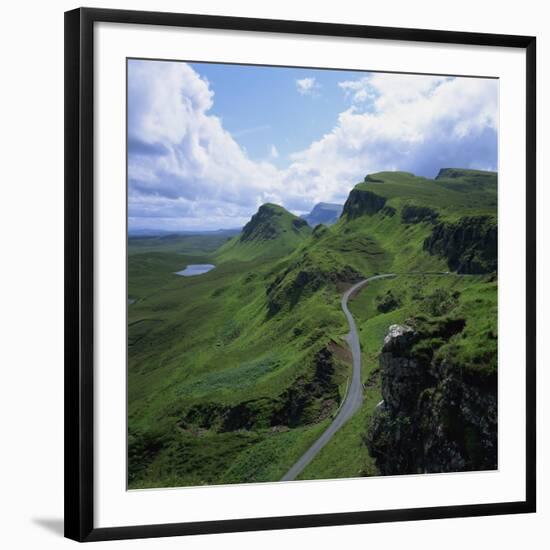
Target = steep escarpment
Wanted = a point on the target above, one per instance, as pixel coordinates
(271, 232)
(470, 179)
(437, 414)
(309, 399)
(469, 245)
(417, 214)
(304, 276)
(270, 222)
(362, 202)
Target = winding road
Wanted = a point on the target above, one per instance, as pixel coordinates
(354, 396)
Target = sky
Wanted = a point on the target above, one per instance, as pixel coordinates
(209, 143)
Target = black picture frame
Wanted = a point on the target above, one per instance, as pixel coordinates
(79, 272)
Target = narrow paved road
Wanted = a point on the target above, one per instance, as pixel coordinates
(354, 396)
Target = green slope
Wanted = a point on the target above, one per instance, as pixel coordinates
(387, 224)
(430, 297)
(272, 232)
(192, 244)
(454, 193)
(234, 373)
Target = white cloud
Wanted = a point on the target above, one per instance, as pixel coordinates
(414, 123)
(179, 153)
(307, 86)
(357, 89)
(185, 170)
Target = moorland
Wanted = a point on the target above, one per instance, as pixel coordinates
(233, 374)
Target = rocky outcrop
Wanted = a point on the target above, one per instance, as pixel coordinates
(361, 202)
(387, 302)
(469, 245)
(388, 211)
(417, 214)
(302, 278)
(436, 416)
(479, 176)
(269, 222)
(309, 399)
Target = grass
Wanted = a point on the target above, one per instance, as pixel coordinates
(346, 454)
(204, 340)
(471, 193)
(229, 378)
(192, 245)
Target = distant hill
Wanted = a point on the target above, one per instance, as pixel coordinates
(325, 213)
(198, 243)
(273, 231)
(139, 233)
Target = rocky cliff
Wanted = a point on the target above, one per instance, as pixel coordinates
(270, 222)
(361, 202)
(302, 278)
(312, 397)
(436, 416)
(469, 245)
(418, 214)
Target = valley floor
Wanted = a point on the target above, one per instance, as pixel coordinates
(222, 365)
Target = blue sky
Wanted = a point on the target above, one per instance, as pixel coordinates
(209, 143)
(262, 107)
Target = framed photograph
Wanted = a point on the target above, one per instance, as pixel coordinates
(300, 274)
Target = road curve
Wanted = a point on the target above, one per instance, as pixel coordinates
(354, 396)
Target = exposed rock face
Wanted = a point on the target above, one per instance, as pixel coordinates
(302, 278)
(470, 245)
(388, 211)
(436, 417)
(361, 202)
(417, 214)
(311, 398)
(461, 173)
(388, 302)
(269, 222)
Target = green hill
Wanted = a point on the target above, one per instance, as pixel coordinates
(454, 192)
(233, 374)
(397, 222)
(271, 232)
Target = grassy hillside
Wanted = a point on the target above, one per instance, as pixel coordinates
(234, 373)
(272, 232)
(395, 301)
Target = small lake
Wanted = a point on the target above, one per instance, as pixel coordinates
(195, 269)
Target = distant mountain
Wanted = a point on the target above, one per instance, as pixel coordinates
(325, 213)
(167, 233)
(272, 231)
